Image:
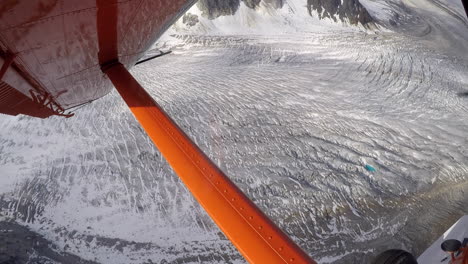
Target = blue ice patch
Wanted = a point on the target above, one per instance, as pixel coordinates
(370, 168)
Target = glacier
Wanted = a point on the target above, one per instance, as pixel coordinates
(292, 106)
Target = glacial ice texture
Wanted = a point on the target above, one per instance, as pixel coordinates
(292, 119)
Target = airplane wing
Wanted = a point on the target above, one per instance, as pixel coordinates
(49, 49)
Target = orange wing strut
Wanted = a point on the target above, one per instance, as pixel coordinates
(255, 236)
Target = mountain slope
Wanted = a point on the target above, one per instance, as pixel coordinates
(271, 16)
(292, 108)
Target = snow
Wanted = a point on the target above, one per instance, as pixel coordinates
(378, 9)
(264, 20)
(291, 112)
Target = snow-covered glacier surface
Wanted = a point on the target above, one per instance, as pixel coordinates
(292, 116)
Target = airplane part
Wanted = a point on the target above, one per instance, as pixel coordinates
(256, 236)
(154, 57)
(55, 55)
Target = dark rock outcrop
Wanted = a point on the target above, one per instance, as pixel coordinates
(216, 8)
(344, 10)
(251, 3)
(190, 19)
(351, 11)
